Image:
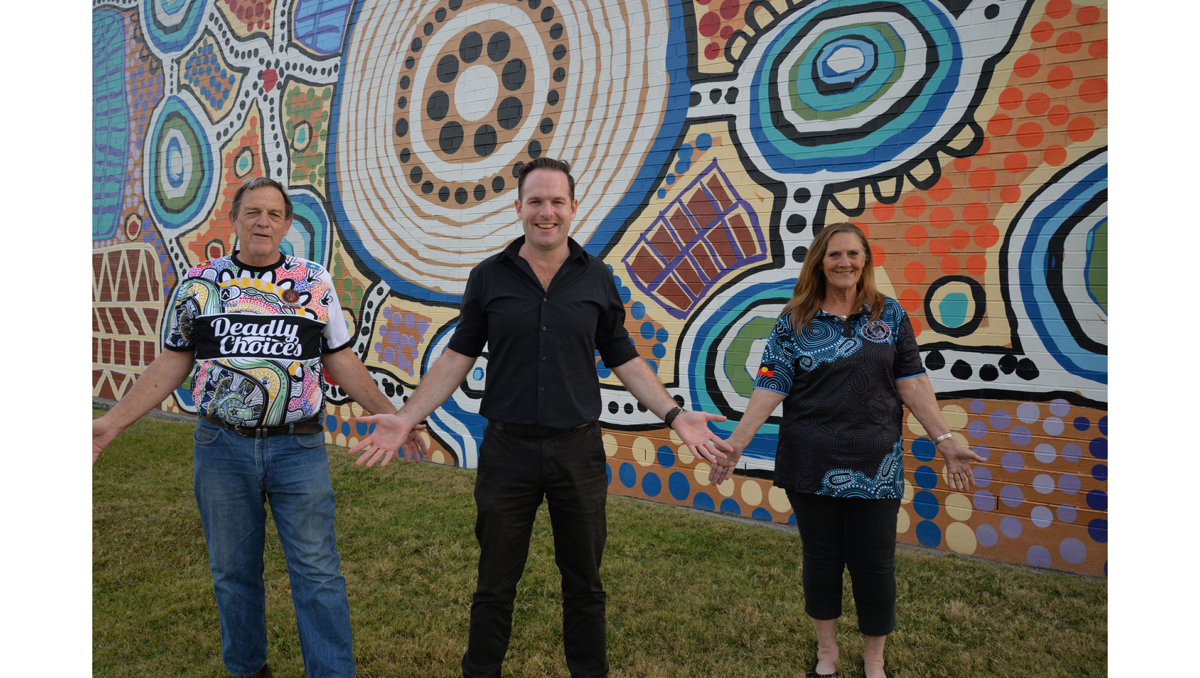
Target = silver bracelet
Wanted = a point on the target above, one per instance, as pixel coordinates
(939, 439)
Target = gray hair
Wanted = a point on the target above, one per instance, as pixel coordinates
(259, 182)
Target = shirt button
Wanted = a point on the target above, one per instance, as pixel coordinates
(545, 299)
(541, 388)
(543, 328)
(543, 357)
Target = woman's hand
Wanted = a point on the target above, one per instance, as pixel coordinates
(722, 469)
(958, 464)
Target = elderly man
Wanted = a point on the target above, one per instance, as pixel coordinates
(254, 330)
(543, 306)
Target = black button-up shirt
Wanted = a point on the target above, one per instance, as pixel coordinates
(542, 343)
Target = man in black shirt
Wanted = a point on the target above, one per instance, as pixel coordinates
(543, 307)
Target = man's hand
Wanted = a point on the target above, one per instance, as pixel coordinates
(693, 430)
(392, 433)
(103, 433)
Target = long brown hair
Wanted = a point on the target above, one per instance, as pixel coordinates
(809, 292)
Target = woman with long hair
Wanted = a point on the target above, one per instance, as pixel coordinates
(843, 359)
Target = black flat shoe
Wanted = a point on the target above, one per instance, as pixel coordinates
(814, 674)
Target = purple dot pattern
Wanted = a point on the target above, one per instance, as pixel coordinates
(977, 429)
(1029, 413)
(984, 500)
(1059, 407)
(1072, 452)
(986, 535)
(1046, 489)
(400, 334)
(1020, 436)
(1010, 526)
(1045, 453)
(1012, 462)
(1067, 513)
(1043, 483)
(1038, 556)
(1041, 516)
(1072, 550)
(1053, 426)
(983, 477)
(1012, 496)
(1068, 483)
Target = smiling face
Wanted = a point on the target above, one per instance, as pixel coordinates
(261, 224)
(546, 210)
(843, 263)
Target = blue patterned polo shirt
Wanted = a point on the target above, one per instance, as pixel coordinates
(841, 433)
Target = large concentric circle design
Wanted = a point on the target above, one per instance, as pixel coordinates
(1057, 266)
(442, 103)
(844, 86)
(180, 165)
(172, 25)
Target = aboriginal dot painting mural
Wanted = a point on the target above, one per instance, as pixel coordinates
(711, 140)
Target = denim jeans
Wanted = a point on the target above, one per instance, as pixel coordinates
(234, 478)
(515, 473)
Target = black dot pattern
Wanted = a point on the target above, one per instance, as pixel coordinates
(445, 129)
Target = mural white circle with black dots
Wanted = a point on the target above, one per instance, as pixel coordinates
(441, 104)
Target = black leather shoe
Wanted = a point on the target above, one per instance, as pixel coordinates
(264, 672)
(814, 674)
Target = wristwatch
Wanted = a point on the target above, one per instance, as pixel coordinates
(672, 414)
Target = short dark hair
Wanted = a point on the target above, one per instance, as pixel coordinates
(545, 163)
(260, 182)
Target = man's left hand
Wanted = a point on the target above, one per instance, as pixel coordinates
(693, 430)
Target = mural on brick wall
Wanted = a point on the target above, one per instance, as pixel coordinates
(711, 139)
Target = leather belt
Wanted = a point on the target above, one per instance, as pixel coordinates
(536, 430)
(305, 427)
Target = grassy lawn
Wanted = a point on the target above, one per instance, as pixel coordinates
(688, 594)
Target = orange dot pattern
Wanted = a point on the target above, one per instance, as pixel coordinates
(1054, 97)
(218, 230)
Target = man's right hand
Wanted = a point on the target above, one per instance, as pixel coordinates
(103, 433)
(391, 433)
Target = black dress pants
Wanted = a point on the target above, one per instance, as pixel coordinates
(515, 472)
(859, 534)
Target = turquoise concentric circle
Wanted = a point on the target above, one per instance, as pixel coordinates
(180, 165)
(846, 85)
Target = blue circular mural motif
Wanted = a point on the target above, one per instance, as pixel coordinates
(846, 86)
(172, 25)
(180, 166)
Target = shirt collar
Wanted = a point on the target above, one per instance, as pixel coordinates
(513, 250)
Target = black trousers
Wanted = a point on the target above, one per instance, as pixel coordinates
(860, 534)
(515, 472)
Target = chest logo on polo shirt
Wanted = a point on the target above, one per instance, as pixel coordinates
(876, 331)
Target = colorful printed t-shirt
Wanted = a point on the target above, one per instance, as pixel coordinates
(259, 333)
(841, 430)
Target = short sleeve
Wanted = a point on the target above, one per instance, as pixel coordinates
(471, 334)
(335, 336)
(185, 307)
(908, 358)
(612, 339)
(777, 369)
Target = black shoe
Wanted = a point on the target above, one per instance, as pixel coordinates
(814, 674)
(264, 672)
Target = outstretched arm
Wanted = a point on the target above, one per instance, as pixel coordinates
(918, 396)
(164, 375)
(692, 427)
(762, 403)
(348, 372)
(392, 431)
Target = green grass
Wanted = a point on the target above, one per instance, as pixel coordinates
(689, 594)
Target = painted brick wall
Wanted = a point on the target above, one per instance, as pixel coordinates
(711, 140)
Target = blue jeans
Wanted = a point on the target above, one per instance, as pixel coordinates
(234, 477)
